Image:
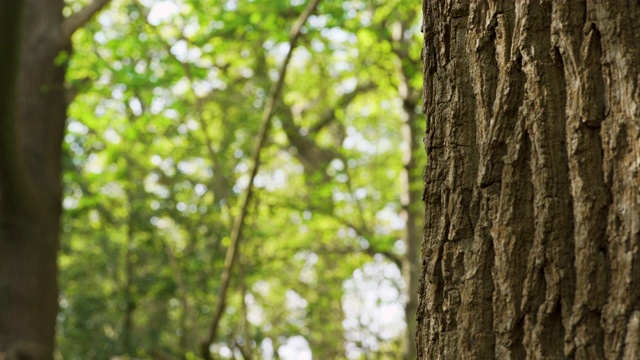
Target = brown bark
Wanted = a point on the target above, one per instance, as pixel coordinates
(10, 37)
(532, 189)
(30, 189)
(29, 237)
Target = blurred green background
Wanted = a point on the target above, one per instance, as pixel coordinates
(167, 97)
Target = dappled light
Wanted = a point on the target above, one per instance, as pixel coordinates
(247, 179)
(240, 179)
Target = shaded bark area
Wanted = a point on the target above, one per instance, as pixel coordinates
(30, 225)
(30, 169)
(532, 190)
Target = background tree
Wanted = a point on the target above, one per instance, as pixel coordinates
(533, 183)
(36, 43)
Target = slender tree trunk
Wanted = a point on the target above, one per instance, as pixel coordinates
(412, 212)
(532, 244)
(30, 168)
(129, 279)
(186, 317)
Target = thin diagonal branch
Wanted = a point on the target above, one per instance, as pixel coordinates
(77, 20)
(330, 114)
(236, 233)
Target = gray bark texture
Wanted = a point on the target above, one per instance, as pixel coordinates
(532, 189)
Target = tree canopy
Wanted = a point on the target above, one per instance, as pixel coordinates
(166, 99)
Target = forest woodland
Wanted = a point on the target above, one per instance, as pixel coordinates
(532, 225)
(204, 179)
(244, 179)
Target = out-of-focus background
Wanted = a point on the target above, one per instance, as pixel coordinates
(166, 99)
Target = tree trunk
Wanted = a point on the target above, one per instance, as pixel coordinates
(129, 277)
(30, 210)
(533, 183)
(30, 168)
(412, 214)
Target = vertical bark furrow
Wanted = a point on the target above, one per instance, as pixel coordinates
(479, 337)
(484, 69)
(506, 100)
(513, 233)
(507, 341)
(548, 292)
(620, 37)
(430, 336)
(453, 180)
(585, 111)
(497, 100)
(632, 340)
(464, 298)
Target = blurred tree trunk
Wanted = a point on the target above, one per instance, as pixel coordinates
(412, 213)
(532, 244)
(30, 168)
(411, 192)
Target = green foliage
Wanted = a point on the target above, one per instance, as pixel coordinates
(157, 154)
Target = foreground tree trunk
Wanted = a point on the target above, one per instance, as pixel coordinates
(30, 169)
(532, 245)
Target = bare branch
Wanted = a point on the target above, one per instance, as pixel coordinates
(236, 232)
(330, 114)
(372, 250)
(79, 19)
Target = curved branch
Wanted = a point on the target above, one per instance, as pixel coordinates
(330, 114)
(312, 156)
(79, 19)
(236, 232)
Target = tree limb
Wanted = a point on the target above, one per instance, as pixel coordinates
(330, 114)
(312, 156)
(372, 250)
(79, 19)
(236, 232)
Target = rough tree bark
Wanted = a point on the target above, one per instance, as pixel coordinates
(30, 167)
(532, 243)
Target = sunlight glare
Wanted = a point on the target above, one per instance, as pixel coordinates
(296, 348)
(162, 11)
